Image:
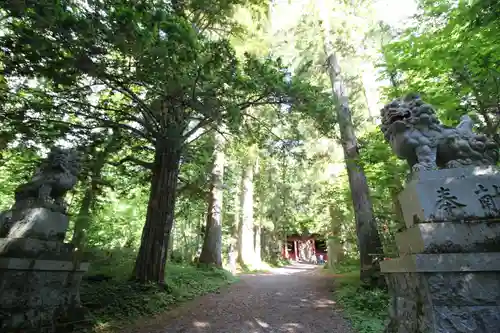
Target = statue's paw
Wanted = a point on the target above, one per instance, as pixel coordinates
(418, 167)
(423, 167)
(455, 164)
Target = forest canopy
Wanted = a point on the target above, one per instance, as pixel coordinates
(213, 131)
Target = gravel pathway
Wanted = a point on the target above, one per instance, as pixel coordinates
(294, 299)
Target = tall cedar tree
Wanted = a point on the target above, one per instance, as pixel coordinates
(168, 82)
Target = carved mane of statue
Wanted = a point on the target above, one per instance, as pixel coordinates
(415, 134)
(56, 175)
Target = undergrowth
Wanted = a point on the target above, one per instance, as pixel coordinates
(114, 301)
(262, 267)
(346, 266)
(279, 262)
(365, 308)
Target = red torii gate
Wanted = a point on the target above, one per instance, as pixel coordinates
(303, 247)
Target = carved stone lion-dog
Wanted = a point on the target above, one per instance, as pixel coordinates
(416, 135)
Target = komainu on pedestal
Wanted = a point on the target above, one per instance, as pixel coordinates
(415, 134)
(39, 276)
(447, 278)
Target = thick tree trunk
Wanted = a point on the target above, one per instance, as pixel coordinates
(268, 245)
(257, 240)
(369, 243)
(257, 232)
(284, 239)
(211, 252)
(334, 244)
(233, 244)
(246, 243)
(170, 248)
(151, 259)
(236, 225)
(284, 196)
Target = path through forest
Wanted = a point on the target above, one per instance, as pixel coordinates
(294, 299)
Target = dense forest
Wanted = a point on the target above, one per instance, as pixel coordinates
(212, 130)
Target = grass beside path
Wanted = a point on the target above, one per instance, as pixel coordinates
(366, 309)
(114, 302)
(262, 267)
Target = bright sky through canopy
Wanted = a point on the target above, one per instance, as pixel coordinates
(392, 12)
(395, 12)
(285, 15)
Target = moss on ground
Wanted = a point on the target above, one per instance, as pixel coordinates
(114, 301)
(365, 308)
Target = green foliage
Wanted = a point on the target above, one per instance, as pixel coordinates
(155, 74)
(151, 71)
(365, 308)
(385, 174)
(279, 262)
(451, 57)
(348, 265)
(118, 302)
(16, 165)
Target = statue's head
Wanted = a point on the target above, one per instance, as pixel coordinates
(405, 112)
(62, 159)
(396, 112)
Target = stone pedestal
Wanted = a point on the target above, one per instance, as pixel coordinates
(38, 223)
(447, 278)
(39, 277)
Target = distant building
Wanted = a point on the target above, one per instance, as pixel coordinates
(305, 248)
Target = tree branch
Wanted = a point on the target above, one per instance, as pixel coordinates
(144, 164)
(203, 122)
(114, 124)
(121, 87)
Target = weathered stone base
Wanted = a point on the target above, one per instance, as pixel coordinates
(38, 295)
(457, 299)
(449, 237)
(36, 222)
(28, 248)
(462, 194)
(447, 279)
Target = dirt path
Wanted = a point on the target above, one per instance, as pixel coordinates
(294, 299)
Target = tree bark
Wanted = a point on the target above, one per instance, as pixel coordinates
(233, 240)
(170, 248)
(258, 243)
(285, 246)
(334, 243)
(151, 259)
(246, 241)
(236, 225)
(369, 243)
(211, 252)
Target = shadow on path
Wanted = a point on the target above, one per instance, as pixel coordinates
(294, 299)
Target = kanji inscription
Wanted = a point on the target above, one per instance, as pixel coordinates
(488, 197)
(447, 203)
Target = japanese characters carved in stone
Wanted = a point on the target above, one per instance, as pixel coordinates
(415, 134)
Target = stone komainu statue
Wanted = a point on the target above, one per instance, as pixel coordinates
(56, 175)
(415, 134)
